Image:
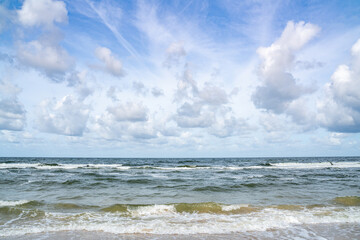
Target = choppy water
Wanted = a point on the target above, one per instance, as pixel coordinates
(255, 198)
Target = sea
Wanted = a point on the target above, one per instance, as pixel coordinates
(180, 198)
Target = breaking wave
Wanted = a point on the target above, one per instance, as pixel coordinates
(288, 165)
(177, 218)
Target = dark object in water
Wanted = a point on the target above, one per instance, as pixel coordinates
(49, 164)
(266, 164)
(331, 163)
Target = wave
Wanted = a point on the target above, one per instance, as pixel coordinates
(288, 165)
(207, 207)
(176, 218)
(71, 182)
(348, 201)
(13, 203)
(201, 207)
(295, 165)
(62, 166)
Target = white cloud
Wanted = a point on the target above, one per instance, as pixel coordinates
(190, 110)
(201, 121)
(301, 113)
(168, 131)
(336, 138)
(339, 111)
(148, 22)
(157, 92)
(279, 87)
(67, 116)
(45, 53)
(174, 53)
(186, 86)
(12, 112)
(112, 93)
(46, 56)
(308, 64)
(140, 88)
(273, 123)
(141, 131)
(42, 13)
(206, 107)
(111, 15)
(112, 64)
(134, 112)
(194, 116)
(111, 129)
(230, 127)
(15, 136)
(126, 122)
(335, 116)
(213, 95)
(345, 86)
(78, 80)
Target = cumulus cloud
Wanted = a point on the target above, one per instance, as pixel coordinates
(308, 64)
(140, 88)
(186, 86)
(189, 113)
(279, 87)
(190, 110)
(157, 92)
(129, 121)
(340, 110)
(174, 53)
(111, 64)
(192, 115)
(140, 131)
(301, 113)
(12, 112)
(112, 93)
(213, 95)
(204, 120)
(134, 112)
(77, 80)
(273, 123)
(229, 127)
(168, 131)
(46, 56)
(204, 107)
(67, 116)
(111, 129)
(42, 13)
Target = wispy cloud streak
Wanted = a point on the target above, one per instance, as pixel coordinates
(116, 33)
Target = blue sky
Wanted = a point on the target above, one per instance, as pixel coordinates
(179, 78)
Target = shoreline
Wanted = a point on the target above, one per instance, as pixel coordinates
(306, 231)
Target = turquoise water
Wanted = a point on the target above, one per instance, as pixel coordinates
(163, 197)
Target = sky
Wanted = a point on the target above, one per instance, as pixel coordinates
(189, 78)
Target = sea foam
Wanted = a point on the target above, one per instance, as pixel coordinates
(166, 219)
(288, 165)
(12, 203)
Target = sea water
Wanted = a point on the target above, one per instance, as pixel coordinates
(192, 198)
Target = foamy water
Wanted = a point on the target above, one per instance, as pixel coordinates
(289, 165)
(175, 198)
